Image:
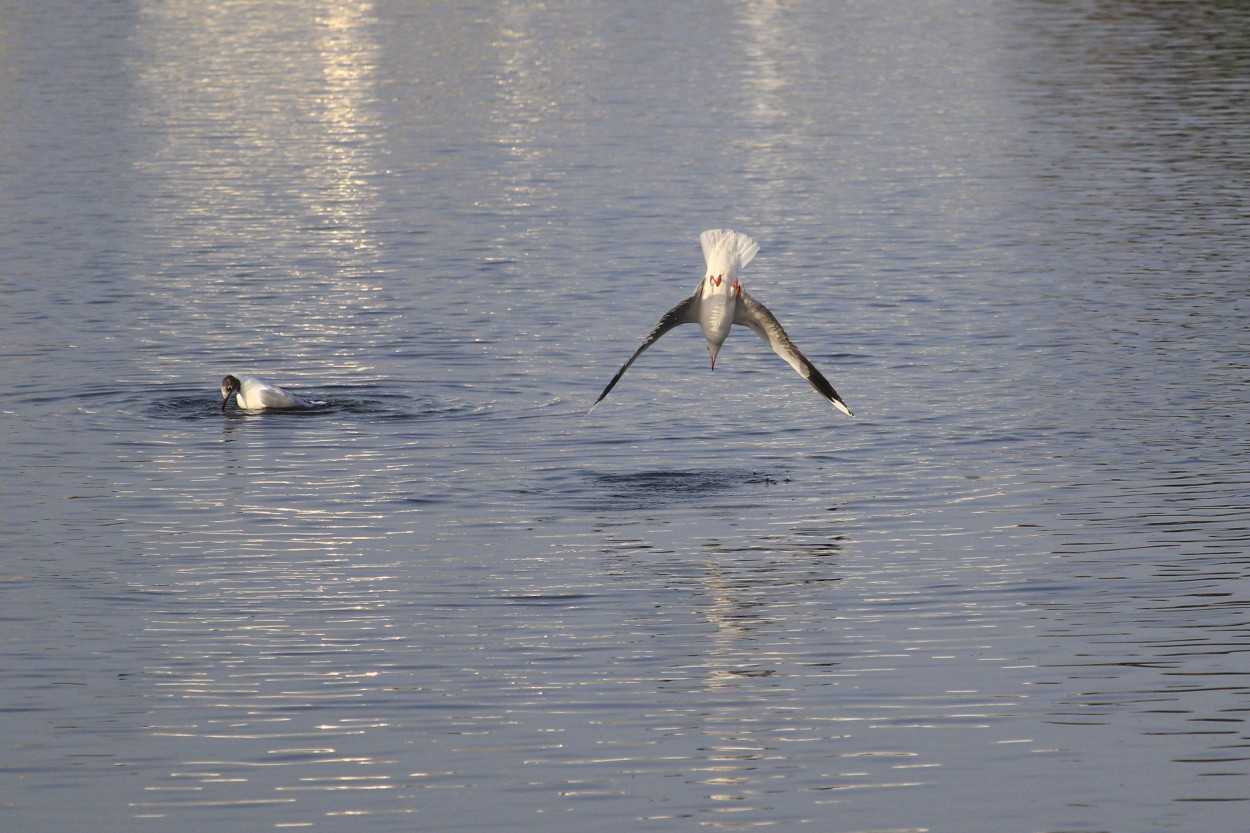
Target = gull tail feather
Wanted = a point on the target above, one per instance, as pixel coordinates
(715, 241)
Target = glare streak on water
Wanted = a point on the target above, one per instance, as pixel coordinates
(1012, 236)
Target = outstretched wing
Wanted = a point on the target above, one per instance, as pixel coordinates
(687, 312)
(751, 313)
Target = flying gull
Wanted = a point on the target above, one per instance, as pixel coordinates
(719, 302)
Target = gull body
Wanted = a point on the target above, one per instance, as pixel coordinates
(255, 394)
(719, 302)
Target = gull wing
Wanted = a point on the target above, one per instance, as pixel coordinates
(260, 394)
(751, 313)
(276, 397)
(272, 396)
(687, 312)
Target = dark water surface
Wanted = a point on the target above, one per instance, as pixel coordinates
(1010, 595)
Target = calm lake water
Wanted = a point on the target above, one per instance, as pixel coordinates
(1011, 594)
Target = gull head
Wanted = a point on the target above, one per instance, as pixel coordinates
(229, 385)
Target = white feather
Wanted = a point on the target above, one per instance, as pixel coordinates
(255, 394)
(726, 251)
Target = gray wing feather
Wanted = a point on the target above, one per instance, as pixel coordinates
(751, 313)
(687, 312)
(276, 397)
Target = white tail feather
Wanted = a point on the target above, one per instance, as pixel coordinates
(727, 251)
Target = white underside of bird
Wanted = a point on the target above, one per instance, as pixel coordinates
(255, 394)
(719, 302)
